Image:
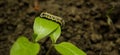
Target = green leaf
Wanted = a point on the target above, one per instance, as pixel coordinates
(43, 27)
(55, 34)
(24, 47)
(66, 48)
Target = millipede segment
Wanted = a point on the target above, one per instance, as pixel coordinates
(52, 17)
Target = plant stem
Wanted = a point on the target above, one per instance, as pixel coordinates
(50, 48)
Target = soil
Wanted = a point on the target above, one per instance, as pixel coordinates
(86, 24)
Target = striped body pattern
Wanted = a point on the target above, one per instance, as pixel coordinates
(52, 17)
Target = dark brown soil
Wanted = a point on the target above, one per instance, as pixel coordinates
(86, 23)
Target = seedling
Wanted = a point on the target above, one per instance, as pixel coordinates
(45, 25)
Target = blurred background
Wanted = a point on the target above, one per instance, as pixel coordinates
(92, 25)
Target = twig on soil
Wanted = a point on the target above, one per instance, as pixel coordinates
(36, 5)
(109, 21)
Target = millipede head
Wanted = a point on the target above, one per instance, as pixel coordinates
(52, 17)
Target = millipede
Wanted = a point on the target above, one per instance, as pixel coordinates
(52, 17)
